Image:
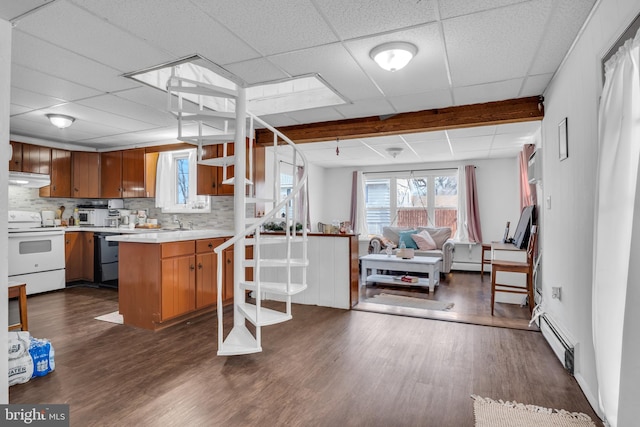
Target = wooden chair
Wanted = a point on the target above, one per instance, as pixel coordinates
(20, 292)
(486, 247)
(516, 267)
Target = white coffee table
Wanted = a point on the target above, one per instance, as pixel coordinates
(418, 264)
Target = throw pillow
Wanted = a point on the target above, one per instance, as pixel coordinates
(439, 234)
(393, 233)
(405, 236)
(424, 241)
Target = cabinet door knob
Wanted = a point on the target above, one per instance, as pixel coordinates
(210, 245)
(191, 267)
(67, 242)
(200, 266)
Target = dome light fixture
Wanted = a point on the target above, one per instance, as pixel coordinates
(394, 151)
(60, 120)
(393, 56)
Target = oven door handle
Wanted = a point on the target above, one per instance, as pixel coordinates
(37, 234)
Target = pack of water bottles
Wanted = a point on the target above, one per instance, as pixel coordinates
(29, 357)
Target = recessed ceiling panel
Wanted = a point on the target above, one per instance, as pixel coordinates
(452, 8)
(127, 108)
(35, 81)
(33, 100)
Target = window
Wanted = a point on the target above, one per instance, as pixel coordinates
(176, 183)
(412, 199)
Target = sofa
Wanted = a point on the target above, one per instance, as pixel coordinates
(441, 237)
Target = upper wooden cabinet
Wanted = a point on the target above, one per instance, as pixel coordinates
(210, 178)
(122, 174)
(111, 175)
(133, 173)
(60, 175)
(15, 164)
(36, 159)
(86, 175)
(150, 168)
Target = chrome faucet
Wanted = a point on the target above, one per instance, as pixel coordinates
(178, 221)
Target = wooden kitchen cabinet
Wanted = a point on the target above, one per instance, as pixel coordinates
(133, 173)
(86, 174)
(111, 175)
(78, 251)
(36, 159)
(122, 174)
(210, 178)
(15, 164)
(150, 169)
(207, 272)
(178, 283)
(228, 274)
(60, 175)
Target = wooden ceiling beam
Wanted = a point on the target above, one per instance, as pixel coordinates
(490, 113)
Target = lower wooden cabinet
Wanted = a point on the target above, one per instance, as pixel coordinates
(78, 251)
(161, 284)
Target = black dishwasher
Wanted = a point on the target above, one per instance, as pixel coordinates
(105, 265)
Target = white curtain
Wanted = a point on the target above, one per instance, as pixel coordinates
(461, 230)
(164, 180)
(615, 218)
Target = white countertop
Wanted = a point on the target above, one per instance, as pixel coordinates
(165, 236)
(120, 230)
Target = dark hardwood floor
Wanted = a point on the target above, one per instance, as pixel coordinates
(326, 367)
(470, 293)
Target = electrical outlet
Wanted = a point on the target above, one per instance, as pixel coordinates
(556, 292)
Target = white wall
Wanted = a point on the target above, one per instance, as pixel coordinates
(497, 186)
(5, 84)
(567, 234)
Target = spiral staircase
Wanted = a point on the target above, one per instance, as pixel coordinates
(210, 114)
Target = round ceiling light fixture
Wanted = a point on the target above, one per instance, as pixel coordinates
(393, 56)
(60, 120)
(394, 151)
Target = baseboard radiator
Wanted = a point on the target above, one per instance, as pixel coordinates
(561, 345)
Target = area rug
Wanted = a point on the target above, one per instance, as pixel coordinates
(403, 301)
(114, 317)
(496, 413)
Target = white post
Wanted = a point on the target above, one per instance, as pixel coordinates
(240, 153)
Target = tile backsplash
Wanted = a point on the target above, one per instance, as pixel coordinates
(220, 217)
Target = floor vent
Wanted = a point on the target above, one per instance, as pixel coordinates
(561, 345)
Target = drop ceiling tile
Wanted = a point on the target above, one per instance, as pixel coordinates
(256, 71)
(75, 29)
(422, 101)
(565, 22)
(385, 141)
(335, 65)
(535, 85)
(522, 128)
(478, 143)
(426, 72)
(504, 153)
(495, 45)
(366, 108)
(278, 120)
(98, 118)
(126, 108)
(35, 81)
(515, 141)
(438, 135)
(15, 109)
(179, 27)
(497, 91)
(37, 54)
(39, 127)
(313, 115)
(160, 136)
(428, 148)
(12, 9)
(358, 18)
(452, 8)
(33, 100)
(472, 132)
(272, 27)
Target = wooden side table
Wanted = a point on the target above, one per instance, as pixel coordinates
(20, 292)
(486, 247)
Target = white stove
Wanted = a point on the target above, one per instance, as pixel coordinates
(36, 253)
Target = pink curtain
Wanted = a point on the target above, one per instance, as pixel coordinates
(473, 210)
(528, 194)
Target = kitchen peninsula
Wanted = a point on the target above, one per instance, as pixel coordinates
(170, 276)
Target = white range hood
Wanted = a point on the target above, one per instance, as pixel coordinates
(29, 180)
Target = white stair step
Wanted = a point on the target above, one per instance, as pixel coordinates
(277, 263)
(199, 88)
(267, 316)
(251, 220)
(275, 240)
(209, 139)
(232, 180)
(204, 116)
(275, 287)
(239, 341)
(218, 161)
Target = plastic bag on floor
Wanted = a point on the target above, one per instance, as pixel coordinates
(20, 361)
(42, 354)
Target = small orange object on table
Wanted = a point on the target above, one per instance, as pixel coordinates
(20, 291)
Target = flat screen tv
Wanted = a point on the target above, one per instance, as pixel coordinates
(521, 236)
